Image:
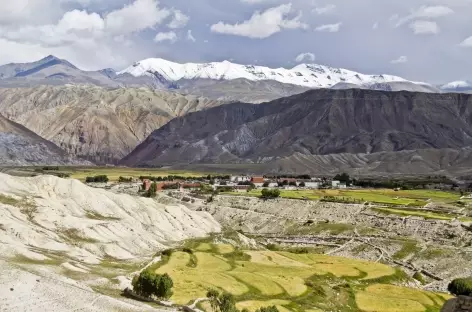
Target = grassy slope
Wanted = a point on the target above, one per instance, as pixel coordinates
(293, 282)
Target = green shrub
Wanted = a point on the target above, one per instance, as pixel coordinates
(268, 309)
(272, 247)
(167, 252)
(419, 277)
(461, 287)
(187, 250)
(125, 179)
(267, 194)
(97, 179)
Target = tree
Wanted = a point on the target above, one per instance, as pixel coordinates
(461, 287)
(145, 284)
(221, 302)
(212, 296)
(267, 194)
(152, 190)
(343, 178)
(164, 287)
(149, 284)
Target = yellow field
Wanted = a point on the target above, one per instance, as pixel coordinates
(203, 247)
(114, 173)
(368, 302)
(225, 248)
(339, 266)
(253, 305)
(291, 281)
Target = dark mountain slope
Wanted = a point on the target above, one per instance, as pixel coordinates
(20, 146)
(317, 122)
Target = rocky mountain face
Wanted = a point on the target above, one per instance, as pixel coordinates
(20, 147)
(94, 123)
(54, 71)
(317, 122)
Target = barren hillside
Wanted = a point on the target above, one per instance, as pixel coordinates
(60, 240)
(20, 146)
(95, 123)
(318, 122)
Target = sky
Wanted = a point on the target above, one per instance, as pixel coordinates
(420, 40)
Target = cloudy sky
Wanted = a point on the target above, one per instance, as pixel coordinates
(424, 40)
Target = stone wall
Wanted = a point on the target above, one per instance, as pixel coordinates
(459, 304)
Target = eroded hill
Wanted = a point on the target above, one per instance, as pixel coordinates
(97, 124)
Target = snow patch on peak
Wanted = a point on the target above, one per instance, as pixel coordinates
(306, 75)
(457, 85)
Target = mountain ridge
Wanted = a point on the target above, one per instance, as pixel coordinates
(317, 122)
(306, 75)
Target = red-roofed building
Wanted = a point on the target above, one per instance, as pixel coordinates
(257, 181)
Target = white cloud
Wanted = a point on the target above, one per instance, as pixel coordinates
(375, 25)
(424, 27)
(467, 42)
(307, 56)
(262, 25)
(74, 27)
(190, 37)
(137, 16)
(325, 9)
(166, 36)
(329, 27)
(179, 20)
(14, 11)
(423, 12)
(400, 60)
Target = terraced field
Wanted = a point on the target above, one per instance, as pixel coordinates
(380, 196)
(293, 282)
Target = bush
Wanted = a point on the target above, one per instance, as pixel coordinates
(292, 183)
(302, 184)
(266, 184)
(267, 194)
(461, 287)
(272, 247)
(268, 309)
(167, 252)
(187, 250)
(148, 283)
(125, 179)
(419, 277)
(97, 179)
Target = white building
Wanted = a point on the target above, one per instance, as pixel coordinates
(338, 184)
(312, 185)
(237, 179)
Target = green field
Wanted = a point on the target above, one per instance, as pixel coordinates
(114, 173)
(415, 198)
(293, 282)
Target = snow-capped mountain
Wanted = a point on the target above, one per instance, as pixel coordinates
(306, 75)
(457, 86)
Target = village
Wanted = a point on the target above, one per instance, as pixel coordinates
(241, 183)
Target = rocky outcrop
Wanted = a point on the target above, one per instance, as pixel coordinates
(459, 304)
(94, 123)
